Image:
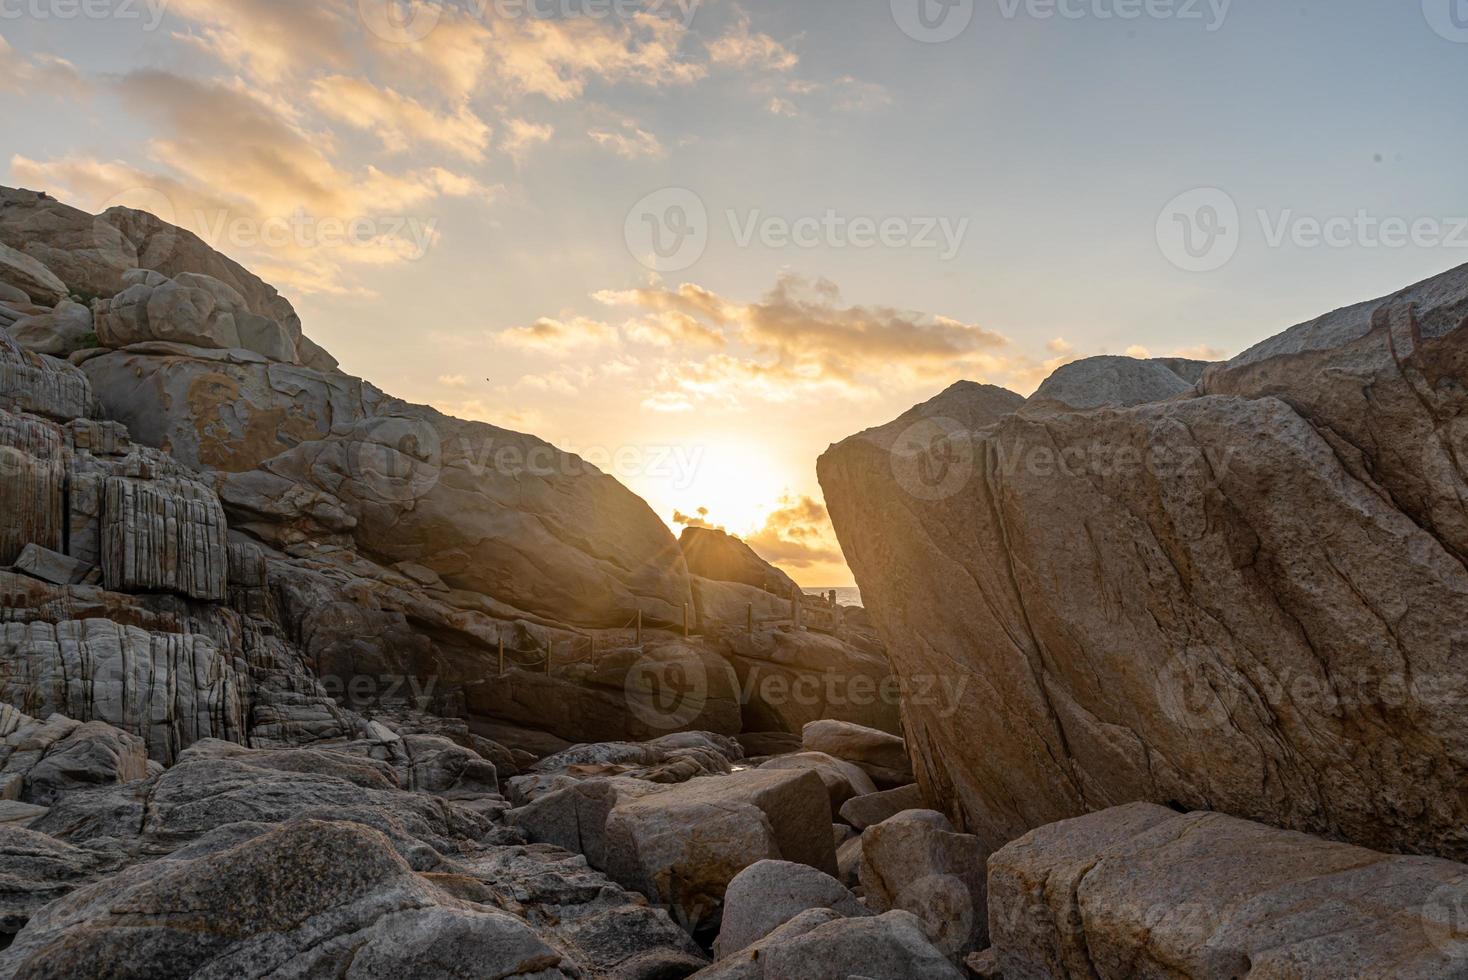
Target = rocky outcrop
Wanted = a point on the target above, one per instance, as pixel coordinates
(38, 283)
(163, 535)
(765, 896)
(86, 253)
(1115, 382)
(1142, 890)
(720, 557)
(1250, 598)
(881, 755)
(40, 385)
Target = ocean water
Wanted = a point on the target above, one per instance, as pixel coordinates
(844, 596)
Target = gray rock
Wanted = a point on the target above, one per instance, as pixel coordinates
(164, 535)
(48, 566)
(881, 755)
(32, 483)
(865, 811)
(843, 780)
(40, 384)
(60, 333)
(816, 946)
(916, 862)
(1111, 382)
(1141, 890)
(766, 895)
(84, 252)
(30, 277)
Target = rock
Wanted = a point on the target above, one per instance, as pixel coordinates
(36, 870)
(681, 847)
(30, 277)
(1111, 382)
(310, 897)
(817, 947)
(48, 566)
(1140, 603)
(13, 295)
(766, 895)
(866, 811)
(172, 251)
(59, 333)
(575, 817)
(265, 337)
(848, 863)
(41, 385)
(171, 690)
(732, 604)
(32, 484)
(17, 815)
(439, 767)
(721, 557)
(167, 535)
(843, 780)
(1141, 890)
(915, 862)
(61, 755)
(984, 966)
(84, 252)
(880, 755)
(792, 678)
(763, 744)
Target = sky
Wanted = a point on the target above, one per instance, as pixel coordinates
(698, 242)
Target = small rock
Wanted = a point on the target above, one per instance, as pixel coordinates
(866, 811)
(916, 862)
(765, 896)
(50, 566)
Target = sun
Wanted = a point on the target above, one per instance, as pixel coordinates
(736, 480)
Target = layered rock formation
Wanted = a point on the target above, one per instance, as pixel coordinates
(1247, 595)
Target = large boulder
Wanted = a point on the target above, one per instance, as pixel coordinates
(720, 557)
(843, 780)
(765, 896)
(916, 862)
(864, 811)
(306, 898)
(1251, 599)
(89, 255)
(1117, 382)
(66, 329)
(821, 944)
(881, 755)
(681, 847)
(1142, 890)
(38, 283)
(41, 760)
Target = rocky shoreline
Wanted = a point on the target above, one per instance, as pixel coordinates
(298, 679)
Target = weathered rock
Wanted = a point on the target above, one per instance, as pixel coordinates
(721, 557)
(36, 870)
(173, 311)
(765, 744)
(792, 678)
(1117, 382)
(865, 811)
(843, 780)
(48, 566)
(30, 277)
(32, 484)
(820, 945)
(881, 755)
(1141, 890)
(41, 385)
(575, 817)
(164, 535)
(765, 896)
(1252, 600)
(915, 862)
(84, 252)
(733, 604)
(681, 847)
(306, 898)
(59, 755)
(171, 690)
(60, 333)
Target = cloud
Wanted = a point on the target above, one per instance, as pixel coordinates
(45, 73)
(798, 534)
(689, 520)
(400, 122)
(742, 48)
(522, 136)
(559, 336)
(453, 381)
(630, 143)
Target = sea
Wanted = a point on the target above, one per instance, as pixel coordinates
(848, 596)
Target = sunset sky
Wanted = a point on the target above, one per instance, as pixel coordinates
(866, 217)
